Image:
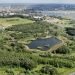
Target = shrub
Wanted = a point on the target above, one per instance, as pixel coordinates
(10, 72)
(27, 63)
(49, 70)
(63, 50)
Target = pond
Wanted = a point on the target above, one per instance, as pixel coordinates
(44, 44)
(70, 31)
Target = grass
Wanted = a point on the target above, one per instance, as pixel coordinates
(13, 21)
(38, 67)
(16, 71)
(65, 71)
(20, 71)
(64, 23)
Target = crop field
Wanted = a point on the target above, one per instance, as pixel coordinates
(14, 21)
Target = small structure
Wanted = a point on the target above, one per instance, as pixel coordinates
(45, 44)
(38, 17)
(2, 28)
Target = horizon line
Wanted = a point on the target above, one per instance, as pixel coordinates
(35, 3)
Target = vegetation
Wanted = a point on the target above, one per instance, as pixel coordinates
(49, 70)
(5, 22)
(70, 31)
(63, 50)
(37, 29)
(17, 59)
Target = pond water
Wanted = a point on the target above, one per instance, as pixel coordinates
(44, 44)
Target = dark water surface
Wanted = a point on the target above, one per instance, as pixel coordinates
(44, 43)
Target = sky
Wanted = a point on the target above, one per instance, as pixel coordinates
(38, 1)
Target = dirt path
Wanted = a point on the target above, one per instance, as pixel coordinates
(72, 73)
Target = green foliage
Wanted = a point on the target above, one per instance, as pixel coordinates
(49, 70)
(27, 63)
(13, 52)
(36, 29)
(63, 50)
(58, 62)
(16, 60)
(9, 72)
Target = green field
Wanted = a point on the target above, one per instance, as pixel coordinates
(14, 21)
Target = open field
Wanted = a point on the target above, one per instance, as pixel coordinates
(13, 21)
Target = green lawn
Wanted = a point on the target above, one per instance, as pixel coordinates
(13, 21)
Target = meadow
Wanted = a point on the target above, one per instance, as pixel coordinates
(14, 21)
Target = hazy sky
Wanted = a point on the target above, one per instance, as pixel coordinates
(37, 1)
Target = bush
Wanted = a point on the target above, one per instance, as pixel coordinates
(10, 72)
(63, 50)
(27, 63)
(49, 70)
